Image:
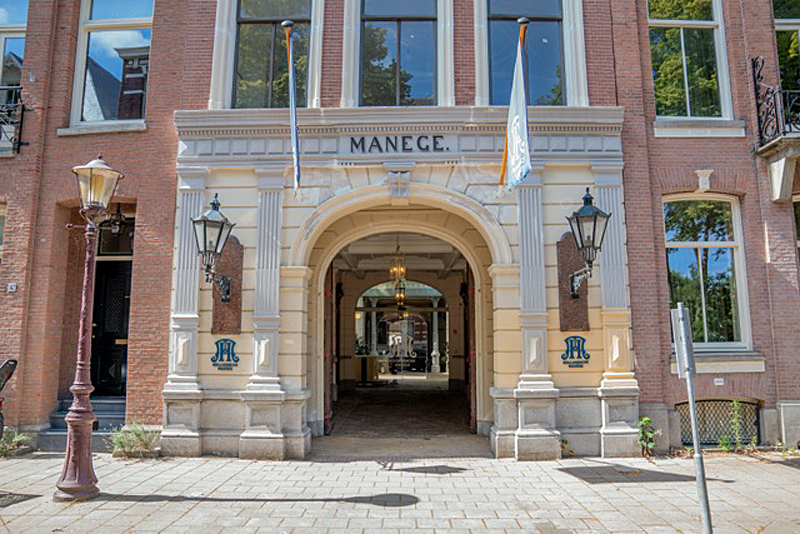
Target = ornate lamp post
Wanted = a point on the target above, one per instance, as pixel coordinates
(211, 231)
(588, 226)
(97, 183)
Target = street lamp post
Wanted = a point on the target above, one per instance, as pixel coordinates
(588, 226)
(97, 183)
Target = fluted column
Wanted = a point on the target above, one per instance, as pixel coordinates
(266, 316)
(435, 368)
(185, 315)
(533, 312)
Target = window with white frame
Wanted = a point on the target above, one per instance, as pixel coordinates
(398, 53)
(13, 22)
(787, 27)
(687, 50)
(113, 60)
(262, 74)
(706, 268)
(544, 50)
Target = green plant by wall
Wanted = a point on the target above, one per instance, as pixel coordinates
(133, 441)
(647, 436)
(725, 443)
(737, 426)
(12, 441)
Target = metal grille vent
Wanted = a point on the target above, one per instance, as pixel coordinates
(714, 420)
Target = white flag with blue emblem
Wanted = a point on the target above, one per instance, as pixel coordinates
(516, 154)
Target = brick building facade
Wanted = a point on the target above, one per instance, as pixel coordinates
(613, 128)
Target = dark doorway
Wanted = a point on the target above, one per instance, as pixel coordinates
(110, 327)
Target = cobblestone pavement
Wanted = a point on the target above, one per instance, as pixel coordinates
(201, 495)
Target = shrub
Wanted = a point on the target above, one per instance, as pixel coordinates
(725, 443)
(133, 441)
(12, 441)
(647, 436)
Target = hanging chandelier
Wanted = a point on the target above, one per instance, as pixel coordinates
(397, 268)
(400, 294)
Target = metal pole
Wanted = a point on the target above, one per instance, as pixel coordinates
(78, 481)
(700, 472)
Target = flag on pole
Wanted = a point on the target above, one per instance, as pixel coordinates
(516, 153)
(287, 26)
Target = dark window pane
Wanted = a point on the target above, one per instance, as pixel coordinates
(275, 9)
(252, 67)
(543, 9)
(670, 88)
(404, 8)
(114, 9)
(379, 64)
(280, 73)
(417, 63)
(684, 286)
(13, 11)
(701, 67)
(545, 66)
(787, 9)
(116, 75)
(698, 220)
(681, 9)
(789, 58)
(722, 311)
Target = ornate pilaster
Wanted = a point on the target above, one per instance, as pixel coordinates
(373, 328)
(182, 392)
(266, 315)
(619, 391)
(435, 367)
(533, 312)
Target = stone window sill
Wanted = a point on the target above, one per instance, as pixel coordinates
(87, 128)
(724, 362)
(683, 128)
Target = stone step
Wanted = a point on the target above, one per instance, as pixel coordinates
(100, 404)
(56, 441)
(105, 421)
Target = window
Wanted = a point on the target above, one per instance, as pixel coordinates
(113, 60)
(262, 73)
(787, 24)
(13, 21)
(545, 58)
(686, 45)
(706, 269)
(398, 53)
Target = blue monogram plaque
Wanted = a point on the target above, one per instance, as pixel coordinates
(575, 355)
(225, 358)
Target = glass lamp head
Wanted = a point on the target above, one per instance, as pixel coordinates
(588, 226)
(97, 182)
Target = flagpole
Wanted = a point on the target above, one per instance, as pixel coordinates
(287, 26)
(521, 52)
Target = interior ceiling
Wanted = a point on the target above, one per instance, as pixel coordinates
(421, 252)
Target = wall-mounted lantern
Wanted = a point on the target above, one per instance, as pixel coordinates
(588, 226)
(211, 231)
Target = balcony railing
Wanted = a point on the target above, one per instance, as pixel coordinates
(778, 109)
(12, 112)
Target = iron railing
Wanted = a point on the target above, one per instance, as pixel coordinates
(778, 109)
(715, 422)
(12, 112)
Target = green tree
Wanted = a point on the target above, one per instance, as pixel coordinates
(380, 77)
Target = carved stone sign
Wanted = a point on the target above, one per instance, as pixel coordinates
(575, 354)
(225, 359)
(397, 144)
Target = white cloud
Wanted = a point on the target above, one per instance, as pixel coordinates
(107, 41)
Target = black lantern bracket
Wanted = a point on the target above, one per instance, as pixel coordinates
(223, 284)
(588, 226)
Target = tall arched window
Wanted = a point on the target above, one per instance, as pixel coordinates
(706, 268)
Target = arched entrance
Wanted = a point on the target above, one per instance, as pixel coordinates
(350, 220)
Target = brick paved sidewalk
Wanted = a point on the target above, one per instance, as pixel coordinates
(457, 494)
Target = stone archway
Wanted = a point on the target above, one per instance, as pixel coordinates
(432, 211)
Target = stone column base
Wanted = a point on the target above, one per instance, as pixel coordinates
(181, 434)
(619, 436)
(789, 421)
(524, 426)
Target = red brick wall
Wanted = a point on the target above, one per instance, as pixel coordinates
(332, 34)
(464, 51)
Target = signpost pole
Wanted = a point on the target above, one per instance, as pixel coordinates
(684, 352)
